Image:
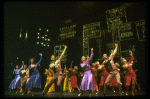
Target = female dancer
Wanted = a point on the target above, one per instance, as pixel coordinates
(49, 77)
(94, 72)
(66, 86)
(16, 83)
(130, 74)
(104, 75)
(56, 66)
(25, 78)
(87, 75)
(35, 79)
(74, 77)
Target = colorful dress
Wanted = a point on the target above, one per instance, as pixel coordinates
(104, 75)
(130, 74)
(73, 78)
(49, 77)
(87, 81)
(16, 83)
(67, 83)
(35, 79)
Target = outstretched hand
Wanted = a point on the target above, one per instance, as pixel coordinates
(116, 45)
(40, 54)
(22, 62)
(92, 50)
(65, 47)
(130, 53)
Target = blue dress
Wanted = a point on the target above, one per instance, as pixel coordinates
(16, 83)
(35, 79)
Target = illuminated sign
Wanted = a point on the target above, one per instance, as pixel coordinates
(92, 30)
(115, 13)
(140, 28)
(67, 32)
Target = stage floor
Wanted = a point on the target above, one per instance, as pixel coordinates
(71, 95)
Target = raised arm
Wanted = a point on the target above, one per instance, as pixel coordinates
(61, 55)
(113, 53)
(91, 56)
(39, 60)
(71, 66)
(22, 65)
(132, 57)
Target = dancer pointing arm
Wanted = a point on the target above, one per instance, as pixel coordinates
(56, 66)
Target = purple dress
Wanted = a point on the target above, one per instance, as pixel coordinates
(16, 83)
(87, 81)
(35, 79)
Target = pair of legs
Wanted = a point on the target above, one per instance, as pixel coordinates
(128, 80)
(59, 79)
(87, 83)
(23, 86)
(74, 88)
(109, 78)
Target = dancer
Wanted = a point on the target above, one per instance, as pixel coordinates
(16, 83)
(66, 86)
(49, 77)
(113, 83)
(104, 75)
(25, 78)
(87, 75)
(130, 74)
(56, 67)
(35, 79)
(94, 72)
(113, 72)
(74, 77)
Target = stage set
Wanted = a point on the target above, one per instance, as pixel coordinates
(82, 56)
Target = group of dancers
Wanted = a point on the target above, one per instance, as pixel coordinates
(110, 75)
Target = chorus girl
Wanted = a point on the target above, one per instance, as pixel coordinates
(34, 81)
(87, 76)
(16, 83)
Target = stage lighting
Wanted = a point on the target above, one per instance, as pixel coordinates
(48, 39)
(38, 37)
(37, 42)
(39, 28)
(26, 34)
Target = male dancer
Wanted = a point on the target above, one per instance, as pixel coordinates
(113, 72)
(56, 66)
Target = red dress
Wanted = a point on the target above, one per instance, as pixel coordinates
(113, 82)
(94, 71)
(130, 74)
(73, 78)
(103, 76)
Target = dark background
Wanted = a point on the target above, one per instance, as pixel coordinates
(32, 15)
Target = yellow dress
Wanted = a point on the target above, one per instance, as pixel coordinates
(67, 82)
(49, 77)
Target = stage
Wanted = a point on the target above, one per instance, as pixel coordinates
(72, 95)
